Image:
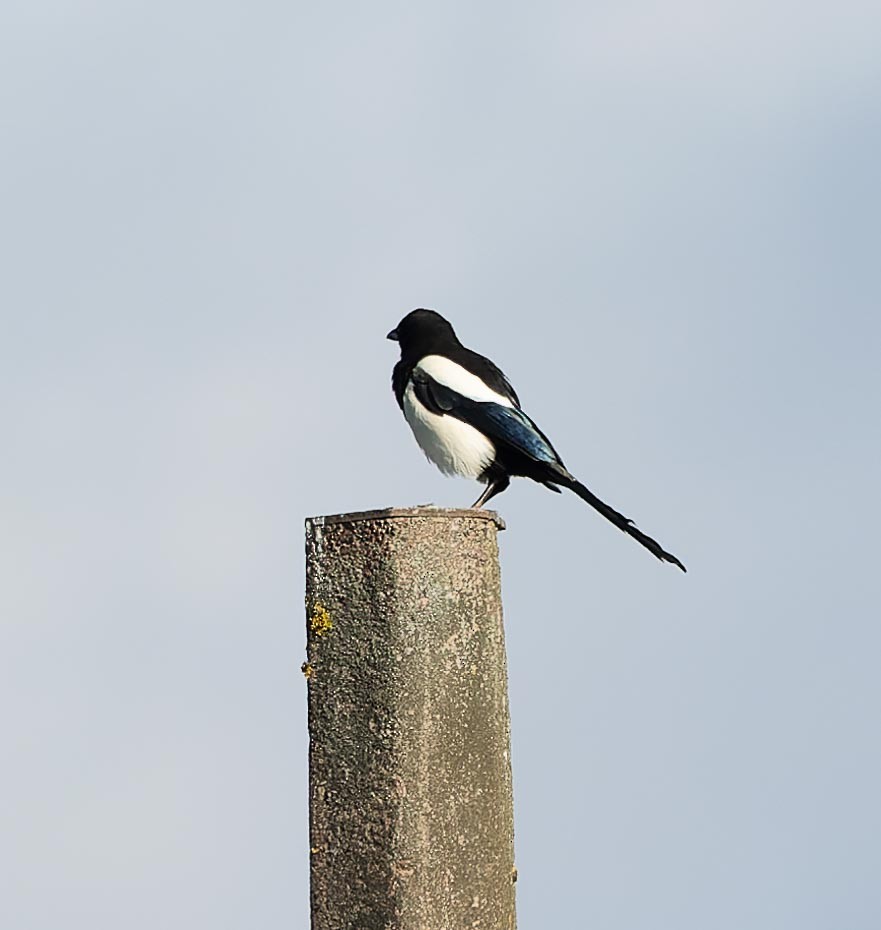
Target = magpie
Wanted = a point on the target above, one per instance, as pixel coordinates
(467, 419)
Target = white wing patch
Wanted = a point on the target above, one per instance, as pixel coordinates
(454, 376)
(455, 447)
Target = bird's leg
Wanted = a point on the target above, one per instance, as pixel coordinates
(496, 486)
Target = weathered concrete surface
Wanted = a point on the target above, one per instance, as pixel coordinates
(411, 812)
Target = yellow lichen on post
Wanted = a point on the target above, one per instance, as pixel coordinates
(319, 621)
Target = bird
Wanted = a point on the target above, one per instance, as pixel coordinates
(467, 419)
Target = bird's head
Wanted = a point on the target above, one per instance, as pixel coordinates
(423, 330)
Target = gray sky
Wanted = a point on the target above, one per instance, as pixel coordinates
(662, 220)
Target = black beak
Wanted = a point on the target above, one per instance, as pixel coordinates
(393, 335)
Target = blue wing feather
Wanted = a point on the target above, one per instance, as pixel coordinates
(508, 426)
(515, 428)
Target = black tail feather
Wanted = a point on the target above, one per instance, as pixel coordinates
(618, 519)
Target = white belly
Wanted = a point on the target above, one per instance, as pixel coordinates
(455, 447)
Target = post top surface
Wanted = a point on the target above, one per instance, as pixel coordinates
(406, 513)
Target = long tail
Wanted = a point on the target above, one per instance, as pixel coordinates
(618, 519)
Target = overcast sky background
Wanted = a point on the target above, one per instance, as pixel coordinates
(662, 220)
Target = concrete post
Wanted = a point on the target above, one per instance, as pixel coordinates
(410, 800)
